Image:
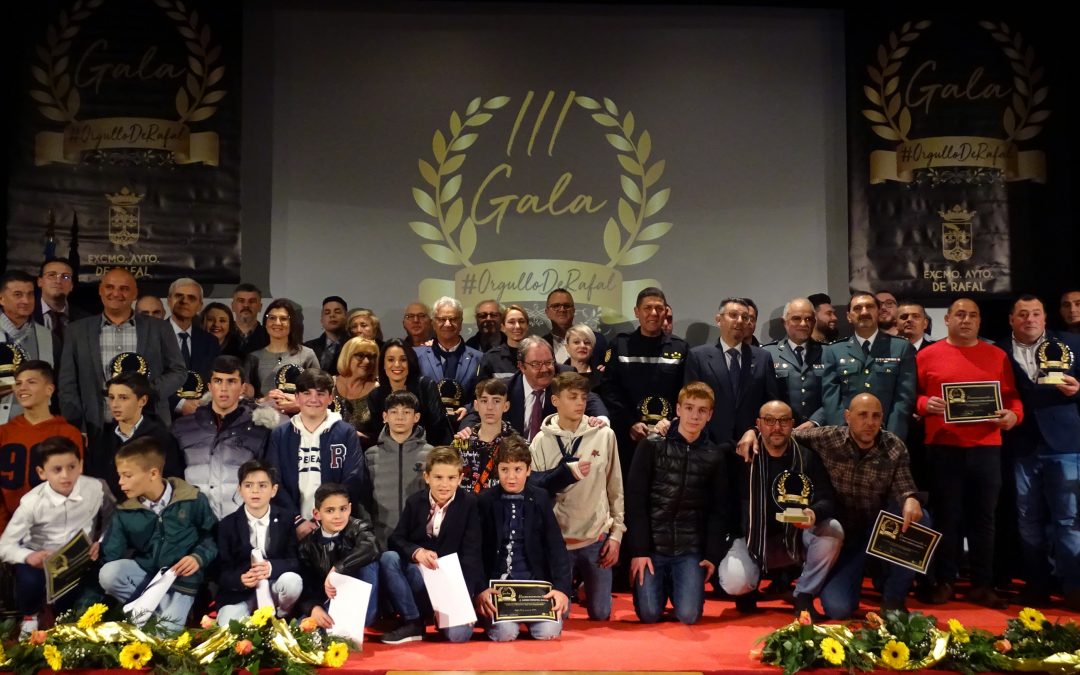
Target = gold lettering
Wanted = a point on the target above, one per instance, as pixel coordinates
(530, 203)
(974, 90)
(95, 75)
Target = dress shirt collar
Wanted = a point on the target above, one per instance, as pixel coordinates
(871, 339)
(56, 499)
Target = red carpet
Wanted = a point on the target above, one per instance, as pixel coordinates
(721, 642)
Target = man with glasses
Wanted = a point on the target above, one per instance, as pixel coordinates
(560, 311)
(797, 362)
(643, 372)
(417, 325)
(449, 361)
(768, 544)
(886, 317)
(529, 392)
(489, 319)
(869, 362)
(56, 280)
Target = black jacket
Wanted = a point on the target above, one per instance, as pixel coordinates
(234, 552)
(101, 455)
(432, 413)
(459, 533)
(544, 545)
(636, 368)
(352, 549)
(677, 498)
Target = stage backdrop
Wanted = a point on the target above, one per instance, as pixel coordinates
(506, 151)
(128, 134)
(955, 131)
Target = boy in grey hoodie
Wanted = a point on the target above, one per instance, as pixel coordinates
(590, 510)
(396, 463)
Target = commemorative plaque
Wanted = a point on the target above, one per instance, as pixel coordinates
(912, 549)
(971, 401)
(522, 601)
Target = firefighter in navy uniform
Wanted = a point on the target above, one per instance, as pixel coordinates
(643, 374)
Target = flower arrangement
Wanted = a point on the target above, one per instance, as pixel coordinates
(902, 641)
(92, 641)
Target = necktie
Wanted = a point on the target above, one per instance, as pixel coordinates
(57, 323)
(537, 415)
(798, 355)
(734, 370)
(185, 350)
(866, 347)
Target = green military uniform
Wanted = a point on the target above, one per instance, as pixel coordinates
(888, 373)
(799, 383)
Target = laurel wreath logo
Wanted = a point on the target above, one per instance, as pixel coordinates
(1022, 121)
(642, 177)
(195, 101)
(892, 120)
(446, 184)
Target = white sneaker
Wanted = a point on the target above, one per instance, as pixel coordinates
(29, 625)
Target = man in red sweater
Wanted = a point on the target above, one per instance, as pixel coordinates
(965, 458)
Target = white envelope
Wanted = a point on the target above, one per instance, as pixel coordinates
(349, 606)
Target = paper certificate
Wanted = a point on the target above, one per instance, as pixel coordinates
(912, 549)
(448, 593)
(142, 607)
(349, 606)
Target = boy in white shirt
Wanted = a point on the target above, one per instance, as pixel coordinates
(589, 511)
(49, 516)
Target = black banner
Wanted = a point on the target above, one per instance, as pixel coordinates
(128, 133)
(951, 128)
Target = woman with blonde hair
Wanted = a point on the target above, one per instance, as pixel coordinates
(358, 368)
(362, 322)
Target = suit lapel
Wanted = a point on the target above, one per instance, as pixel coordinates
(718, 364)
(95, 348)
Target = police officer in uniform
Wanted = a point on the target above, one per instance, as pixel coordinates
(643, 374)
(872, 362)
(797, 360)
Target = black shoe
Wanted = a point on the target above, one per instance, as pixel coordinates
(893, 605)
(1033, 597)
(408, 631)
(941, 593)
(1072, 600)
(747, 604)
(804, 602)
(985, 596)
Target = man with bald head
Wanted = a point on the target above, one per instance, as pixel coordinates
(797, 361)
(869, 470)
(767, 544)
(91, 344)
(965, 458)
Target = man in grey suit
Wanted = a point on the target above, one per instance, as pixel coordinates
(17, 327)
(93, 342)
(869, 362)
(797, 361)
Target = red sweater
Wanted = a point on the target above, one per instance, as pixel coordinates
(17, 472)
(943, 363)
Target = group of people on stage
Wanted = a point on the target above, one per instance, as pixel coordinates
(212, 442)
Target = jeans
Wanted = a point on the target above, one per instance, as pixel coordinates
(739, 574)
(505, 631)
(840, 595)
(965, 488)
(1047, 491)
(30, 591)
(596, 579)
(286, 591)
(121, 578)
(404, 585)
(678, 577)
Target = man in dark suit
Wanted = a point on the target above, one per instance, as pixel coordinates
(869, 362)
(1046, 451)
(56, 281)
(742, 376)
(198, 348)
(797, 362)
(91, 344)
(328, 345)
(529, 391)
(913, 325)
(448, 361)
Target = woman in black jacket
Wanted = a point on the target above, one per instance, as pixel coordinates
(399, 369)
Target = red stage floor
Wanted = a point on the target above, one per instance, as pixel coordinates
(721, 642)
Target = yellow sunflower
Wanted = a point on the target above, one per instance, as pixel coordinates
(135, 655)
(959, 633)
(1032, 619)
(52, 657)
(92, 616)
(184, 640)
(336, 655)
(261, 616)
(832, 650)
(3, 656)
(895, 654)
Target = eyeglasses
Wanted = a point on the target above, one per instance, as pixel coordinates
(446, 319)
(561, 306)
(773, 421)
(487, 315)
(364, 356)
(62, 276)
(537, 365)
(888, 303)
(273, 318)
(415, 317)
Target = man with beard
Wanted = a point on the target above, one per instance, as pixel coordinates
(328, 345)
(489, 318)
(887, 312)
(825, 319)
(1070, 310)
(869, 362)
(246, 305)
